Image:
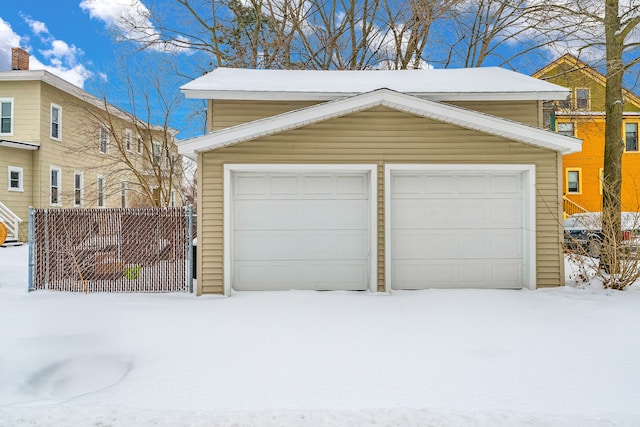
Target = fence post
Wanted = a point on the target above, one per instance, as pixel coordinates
(46, 247)
(190, 248)
(32, 240)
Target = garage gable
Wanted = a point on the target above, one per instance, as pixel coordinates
(442, 112)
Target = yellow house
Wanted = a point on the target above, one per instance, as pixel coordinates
(377, 180)
(61, 147)
(583, 116)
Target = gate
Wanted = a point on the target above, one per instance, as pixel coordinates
(111, 250)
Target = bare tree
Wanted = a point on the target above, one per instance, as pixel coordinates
(134, 146)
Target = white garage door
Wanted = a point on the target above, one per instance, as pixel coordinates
(456, 229)
(300, 231)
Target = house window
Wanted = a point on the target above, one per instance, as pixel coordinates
(55, 174)
(16, 178)
(566, 129)
(6, 116)
(157, 153)
(173, 198)
(56, 122)
(140, 145)
(128, 139)
(631, 136)
(78, 188)
(582, 98)
(574, 181)
(123, 194)
(100, 191)
(104, 139)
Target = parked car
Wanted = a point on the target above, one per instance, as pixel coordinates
(584, 231)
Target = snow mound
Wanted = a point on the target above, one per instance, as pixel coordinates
(78, 376)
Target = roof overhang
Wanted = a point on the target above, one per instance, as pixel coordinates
(19, 145)
(439, 111)
(457, 84)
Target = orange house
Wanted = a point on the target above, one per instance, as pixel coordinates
(583, 116)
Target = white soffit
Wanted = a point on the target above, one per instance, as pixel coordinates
(462, 84)
(446, 113)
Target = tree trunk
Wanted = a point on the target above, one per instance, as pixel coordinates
(614, 145)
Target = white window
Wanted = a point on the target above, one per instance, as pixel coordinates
(16, 178)
(574, 183)
(100, 191)
(631, 136)
(566, 129)
(104, 139)
(582, 98)
(55, 175)
(123, 194)
(128, 139)
(173, 198)
(56, 122)
(157, 153)
(78, 188)
(6, 116)
(140, 145)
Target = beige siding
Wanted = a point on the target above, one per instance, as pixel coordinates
(377, 136)
(222, 114)
(26, 98)
(17, 201)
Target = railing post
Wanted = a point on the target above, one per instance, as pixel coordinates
(32, 248)
(190, 248)
(46, 247)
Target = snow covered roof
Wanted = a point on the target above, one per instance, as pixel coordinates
(463, 84)
(446, 113)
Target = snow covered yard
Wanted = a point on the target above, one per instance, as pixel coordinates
(561, 357)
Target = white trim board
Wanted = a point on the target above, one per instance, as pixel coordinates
(529, 241)
(445, 113)
(228, 201)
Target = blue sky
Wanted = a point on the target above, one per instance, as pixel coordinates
(76, 40)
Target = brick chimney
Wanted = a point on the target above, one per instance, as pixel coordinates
(19, 59)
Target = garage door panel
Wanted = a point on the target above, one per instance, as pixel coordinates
(300, 214)
(447, 274)
(285, 275)
(302, 244)
(456, 229)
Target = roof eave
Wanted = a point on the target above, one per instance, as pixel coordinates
(330, 96)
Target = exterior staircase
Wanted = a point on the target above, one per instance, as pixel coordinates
(12, 222)
(570, 207)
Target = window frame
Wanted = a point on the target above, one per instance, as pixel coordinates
(124, 196)
(101, 193)
(20, 172)
(58, 187)
(104, 129)
(128, 139)
(575, 104)
(78, 191)
(573, 128)
(579, 172)
(59, 123)
(624, 131)
(11, 101)
(156, 159)
(140, 145)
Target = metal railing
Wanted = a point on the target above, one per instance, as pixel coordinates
(111, 250)
(10, 220)
(570, 207)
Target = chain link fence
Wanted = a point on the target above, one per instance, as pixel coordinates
(111, 250)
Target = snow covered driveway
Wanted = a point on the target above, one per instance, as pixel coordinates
(561, 356)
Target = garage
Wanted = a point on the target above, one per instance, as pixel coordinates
(306, 229)
(460, 226)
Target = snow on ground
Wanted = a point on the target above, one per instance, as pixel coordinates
(562, 357)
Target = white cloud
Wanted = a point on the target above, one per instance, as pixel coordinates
(132, 19)
(8, 39)
(37, 27)
(58, 57)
